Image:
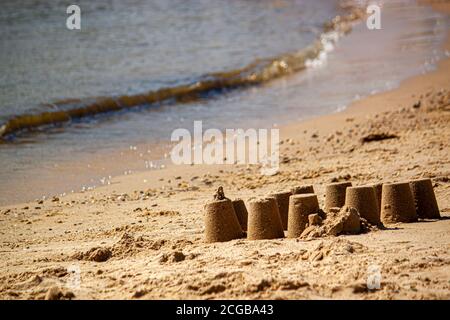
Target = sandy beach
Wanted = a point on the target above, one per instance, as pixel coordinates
(142, 236)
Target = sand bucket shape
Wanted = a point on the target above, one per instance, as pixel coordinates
(221, 222)
(378, 190)
(335, 194)
(397, 203)
(241, 213)
(283, 205)
(303, 189)
(264, 220)
(364, 199)
(300, 207)
(425, 199)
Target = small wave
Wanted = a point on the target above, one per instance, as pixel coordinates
(260, 71)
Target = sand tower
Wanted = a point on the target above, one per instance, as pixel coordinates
(303, 189)
(378, 190)
(283, 205)
(364, 199)
(300, 206)
(425, 199)
(264, 220)
(335, 194)
(221, 222)
(241, 213)
(397, 203)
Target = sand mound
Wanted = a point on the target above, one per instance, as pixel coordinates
(146, 212)
(127, 246)
(175, 256)
(336, 247)
(94, 254)
(337, 221)
(56, 293)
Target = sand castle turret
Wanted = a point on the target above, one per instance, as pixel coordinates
(335, 194)
(309, 188)
(221, 222)
(264, 220)
(300, 207)
(397, 203)
(241, 213)
(364, 199)
(283, 205)
(425, 199)
(378, 191)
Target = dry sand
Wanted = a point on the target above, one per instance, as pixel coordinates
(136, 239)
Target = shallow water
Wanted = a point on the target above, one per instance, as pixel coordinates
(116, 54)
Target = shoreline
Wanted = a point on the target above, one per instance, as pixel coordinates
(146, 219)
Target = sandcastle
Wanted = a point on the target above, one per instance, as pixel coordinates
(425, 199)
(303, 189)
(378, 190)
(397, 203)
(221, 222)
(349, 210)
(241, 213)
(364, 200)
(300, 207)
(283, 206)
(264, 220)
(335, 194)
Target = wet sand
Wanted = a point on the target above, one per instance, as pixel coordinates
(142, 236)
